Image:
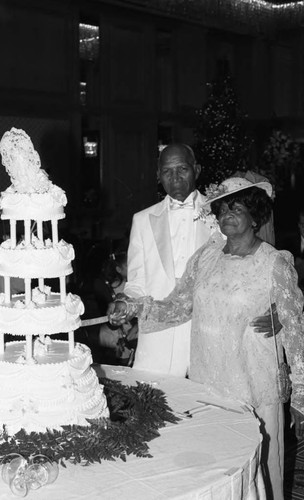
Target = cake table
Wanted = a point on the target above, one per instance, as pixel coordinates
(212, 456)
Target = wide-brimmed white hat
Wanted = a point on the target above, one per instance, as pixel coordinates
(233, 185)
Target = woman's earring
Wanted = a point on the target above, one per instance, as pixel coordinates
(254, 224)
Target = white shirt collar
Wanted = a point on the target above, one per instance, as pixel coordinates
(192, 197)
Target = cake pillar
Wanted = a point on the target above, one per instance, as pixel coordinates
(1, 343)
(27, 231)
(62, 289)
(7, 289)
(55, 232)
(13, 235)
(29, 347)
(71, 342)
(39, 230)
(28, 292)
(41, 284)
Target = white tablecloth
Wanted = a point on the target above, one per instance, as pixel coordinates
(212, 456)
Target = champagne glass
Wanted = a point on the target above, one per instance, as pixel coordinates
(18, 484)
(44, 468)
(36, 476)
(10, 464)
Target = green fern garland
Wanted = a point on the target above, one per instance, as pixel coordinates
(137, 412)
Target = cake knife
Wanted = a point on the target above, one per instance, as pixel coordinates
(220, 406)
(94, 321)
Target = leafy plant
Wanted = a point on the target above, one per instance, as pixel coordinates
(137, 412)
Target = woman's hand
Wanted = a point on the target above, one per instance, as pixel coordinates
(121, 311)
(117, 312)
(297, 420)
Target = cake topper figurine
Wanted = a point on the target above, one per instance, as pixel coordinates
(22, 163)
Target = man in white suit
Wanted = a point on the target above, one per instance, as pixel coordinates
(162, 239)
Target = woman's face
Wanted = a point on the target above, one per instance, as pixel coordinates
(234, 221)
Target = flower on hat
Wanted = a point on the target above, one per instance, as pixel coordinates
(215, 190)
(232, 185)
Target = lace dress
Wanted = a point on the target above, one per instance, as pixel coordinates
(222, 294)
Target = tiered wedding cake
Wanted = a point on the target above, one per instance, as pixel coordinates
(43, 383)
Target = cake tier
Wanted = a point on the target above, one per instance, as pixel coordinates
(34, 206)
(60, 389)
(31, 262)
(48, 317)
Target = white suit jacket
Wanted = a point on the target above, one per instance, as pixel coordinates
(151, 272)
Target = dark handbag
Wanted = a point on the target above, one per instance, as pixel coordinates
(284, 382)
(283, 370)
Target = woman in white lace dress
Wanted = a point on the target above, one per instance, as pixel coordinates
(227, 283)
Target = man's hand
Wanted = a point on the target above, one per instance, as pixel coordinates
(132, 333)
(297, 421)
(263, 324)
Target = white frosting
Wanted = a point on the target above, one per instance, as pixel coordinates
(22, 162)
(33, 262)
(60, 389)
(31, 195)
(48, 318)
(35, 206)
(53, 387)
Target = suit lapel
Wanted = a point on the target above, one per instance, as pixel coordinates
(161, 232)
